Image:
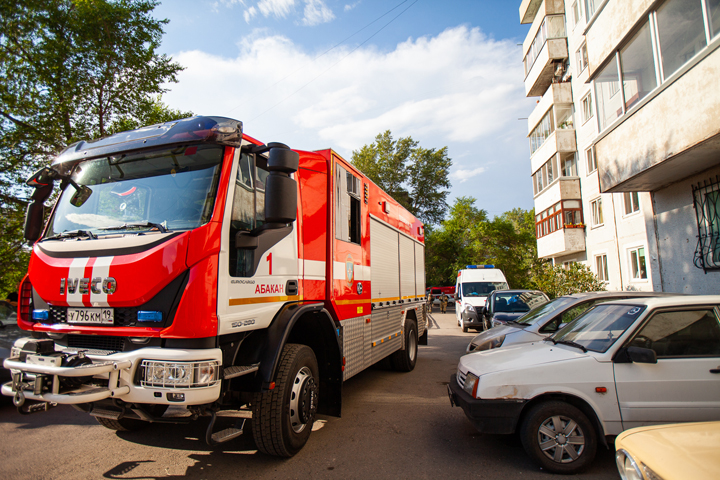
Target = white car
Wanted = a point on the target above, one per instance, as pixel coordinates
(622, 364)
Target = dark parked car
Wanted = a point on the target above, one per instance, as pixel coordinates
(506, 305)
(546, 319)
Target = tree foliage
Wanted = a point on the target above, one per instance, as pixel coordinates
(71, 70)
(557, 281)
(468, 237)
(418, 178)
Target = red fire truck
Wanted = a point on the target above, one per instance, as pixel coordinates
(188, 265)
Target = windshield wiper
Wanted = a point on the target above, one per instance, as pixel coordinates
(127, 226)
(570, 343)
(73, 234)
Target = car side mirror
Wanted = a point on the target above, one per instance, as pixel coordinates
(642, 355)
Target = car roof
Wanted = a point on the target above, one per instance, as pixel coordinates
(669, 300)
(619, 293)
(515, 291)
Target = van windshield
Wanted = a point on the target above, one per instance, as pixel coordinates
(481, 289)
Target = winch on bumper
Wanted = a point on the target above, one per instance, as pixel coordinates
(147, 375)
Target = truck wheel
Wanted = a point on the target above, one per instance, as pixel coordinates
(404, 360)
(131, 424)
(559, 437)
(282, 418)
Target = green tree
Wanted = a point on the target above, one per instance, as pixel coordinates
(414, 176)
(71, 70)
(557, 280)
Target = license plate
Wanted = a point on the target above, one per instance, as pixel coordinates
(100, 316)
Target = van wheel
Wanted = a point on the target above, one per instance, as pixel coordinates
(559, 437)
(404, 360)
(282, 418)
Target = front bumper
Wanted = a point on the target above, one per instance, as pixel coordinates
(119, 370)
(472, 320)
(497, 416)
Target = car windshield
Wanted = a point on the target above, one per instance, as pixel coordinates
(514, 302)
(598, 328)
(481, 289)
(164, 189)
(543, 311)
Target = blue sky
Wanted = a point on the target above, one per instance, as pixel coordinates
(446, 73)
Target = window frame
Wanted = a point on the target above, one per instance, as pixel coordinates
(605, 277)
(596, 213)
(636, 267)
(581, 57)
(587, 108)
(590, 160)
(634, 204)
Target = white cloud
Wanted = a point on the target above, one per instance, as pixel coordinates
(316, 12)
(350, 6)
(249, 14)
(462, 175)
(459, 89)
(278, 8)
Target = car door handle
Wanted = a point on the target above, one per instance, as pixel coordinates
(715, 370)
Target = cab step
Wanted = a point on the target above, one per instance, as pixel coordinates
(239, 370)
(225, 435)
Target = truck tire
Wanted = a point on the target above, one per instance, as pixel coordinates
(559, 437)
(283, 417)
(131, 424)
(404, 360)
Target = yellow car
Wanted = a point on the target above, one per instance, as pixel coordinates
(669, 452)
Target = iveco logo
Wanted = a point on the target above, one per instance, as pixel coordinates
(85, 286)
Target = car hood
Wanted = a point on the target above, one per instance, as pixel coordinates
(475, 301)
(507, 316)
(494, 332)
(676, 451)
(520, 356)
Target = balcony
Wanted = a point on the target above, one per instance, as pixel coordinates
(560, 95)
(561, 242)
(528, 10)
(674, 134)
(559, 141)
(542, 72)
(564, 188)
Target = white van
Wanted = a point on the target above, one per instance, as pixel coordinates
(474, 284)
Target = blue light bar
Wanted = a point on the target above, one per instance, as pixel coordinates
(40, 314)
(149, 316)
(480, 266)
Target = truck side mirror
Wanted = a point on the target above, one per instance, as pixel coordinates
(280, 189)
(42, 181)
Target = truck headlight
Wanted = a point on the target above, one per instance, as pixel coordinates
(628, 468)
(469, 308)
(489, 344)
(154, 373)
(471, 384)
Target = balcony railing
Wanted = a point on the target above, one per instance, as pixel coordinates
(553, 26)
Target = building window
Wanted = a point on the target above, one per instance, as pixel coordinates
(543, 130)
(597, 213)
(564, 214)
(638, 264)
(591, 7)
(706, 200)
(545, 175)
(569, 165)
(553, 26)
(713, 9)
(581, 57)
(575, 13)
(601, 268)
(681, 33)
(632, 202)
(638, 67)
(591, 162)
(587, 107)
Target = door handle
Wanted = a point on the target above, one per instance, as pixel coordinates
(715, 370)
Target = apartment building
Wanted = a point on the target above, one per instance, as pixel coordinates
(625, 138)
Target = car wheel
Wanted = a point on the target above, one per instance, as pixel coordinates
(282, 418)
(465, 329)
(559, 437)
(404, 360)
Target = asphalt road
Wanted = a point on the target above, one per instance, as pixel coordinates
(394, 425)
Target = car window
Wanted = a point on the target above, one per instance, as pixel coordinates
(572, 313)
(681, 333)
(542, 312)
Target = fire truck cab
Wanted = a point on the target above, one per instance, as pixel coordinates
(188, 265)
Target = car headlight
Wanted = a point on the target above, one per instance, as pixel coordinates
(469, 308)
(627, 466)
(471, 384)
(489, 344)
(154, 373)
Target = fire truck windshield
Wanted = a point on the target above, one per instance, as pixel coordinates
(162, 189)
